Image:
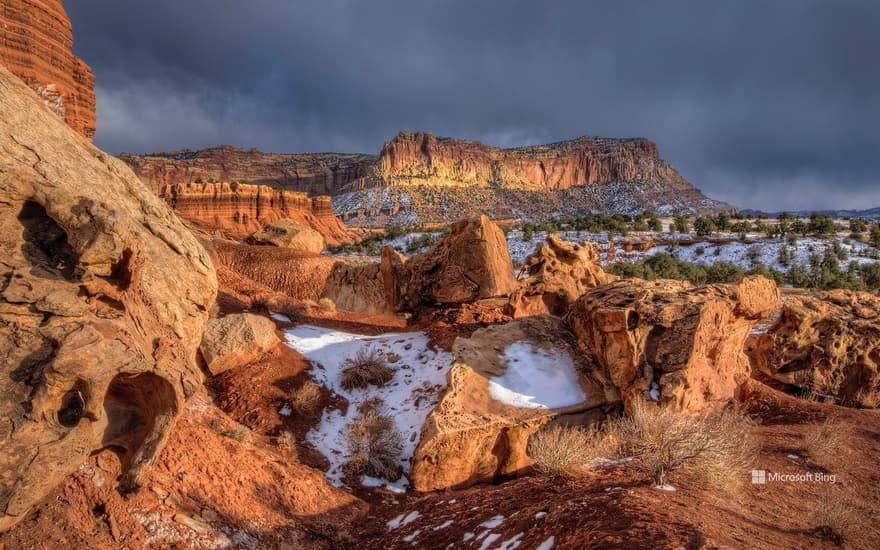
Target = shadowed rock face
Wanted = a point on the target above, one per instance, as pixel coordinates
(104, 296)
(36, 44)
(471, 263)
(473, 437)
(828, 343)
(684, 343)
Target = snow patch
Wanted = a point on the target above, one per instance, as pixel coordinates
(285, 410)
(280, 318)
(419, 378)
(536, 379)
(669, 488)
(443, 525)
(493, 523)
(402, 520)
(512, 542)
(547, 544)
(489, 540)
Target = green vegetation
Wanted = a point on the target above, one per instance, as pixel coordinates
(823, 271)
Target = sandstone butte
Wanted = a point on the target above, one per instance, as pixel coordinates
(421, 178)
(242, 209)
(36, 44)
(105, 300)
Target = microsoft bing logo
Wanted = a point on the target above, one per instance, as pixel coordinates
(759, 477)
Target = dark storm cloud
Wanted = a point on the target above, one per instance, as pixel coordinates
(765, 104)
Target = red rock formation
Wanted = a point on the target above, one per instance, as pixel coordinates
(103, 305)
(665, 341)
(36, 44)
(315, 174)
(242, 209)
(828, 343)
(420, 178)
(559, 272)
(582, 161)
(471, 263)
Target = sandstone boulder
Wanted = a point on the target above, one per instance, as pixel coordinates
(559, 272)
(103, 301)
(666, 341)
(827, 343)
(289, 234)
(506, 381)
(356, 287)
(235, 340)
(471, 263)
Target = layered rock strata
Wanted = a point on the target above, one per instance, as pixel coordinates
(241, 209)
(36, 44)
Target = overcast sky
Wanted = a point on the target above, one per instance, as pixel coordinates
(767, 104)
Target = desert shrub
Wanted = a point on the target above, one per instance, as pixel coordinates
(326, 304)
(823, 442)
(836, 517)
(715, 449)
(285, 439)
(240, 433)
(373, 444)
(366, 368)
(306, 398)
(566, 451)
(868, 398)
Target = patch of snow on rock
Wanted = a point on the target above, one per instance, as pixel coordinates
(512, 542)
(547, 544)
(536, 379)
(489, 540)
(493, 523)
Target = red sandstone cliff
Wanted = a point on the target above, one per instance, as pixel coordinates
(420, 178)
(584, 161)
(241, 209)
(315, 174)
(36, 44)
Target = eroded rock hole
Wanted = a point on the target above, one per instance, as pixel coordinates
(121, 276)
(73, 405)
(139, 407)
(46, 243)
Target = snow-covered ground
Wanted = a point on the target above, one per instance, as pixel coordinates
(419, 378)
(536, 379)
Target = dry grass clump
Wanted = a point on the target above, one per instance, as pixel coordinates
(374, 446)
(240, 433)
(868, 398)
(326, 304)
(836, 517)
(715, 450)
(306, 398)
(365, 369)
(566, 451)
(823, 443)
(285, 439)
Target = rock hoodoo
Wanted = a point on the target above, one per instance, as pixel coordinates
(36, 44)
(828, 343)
(289, 234)
(506, 382)
(241, 209)
(559, 272)
(470, 263)
(105, 295)
(671, 343)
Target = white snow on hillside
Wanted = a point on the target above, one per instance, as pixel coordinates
(419, 377)
(536, 378)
